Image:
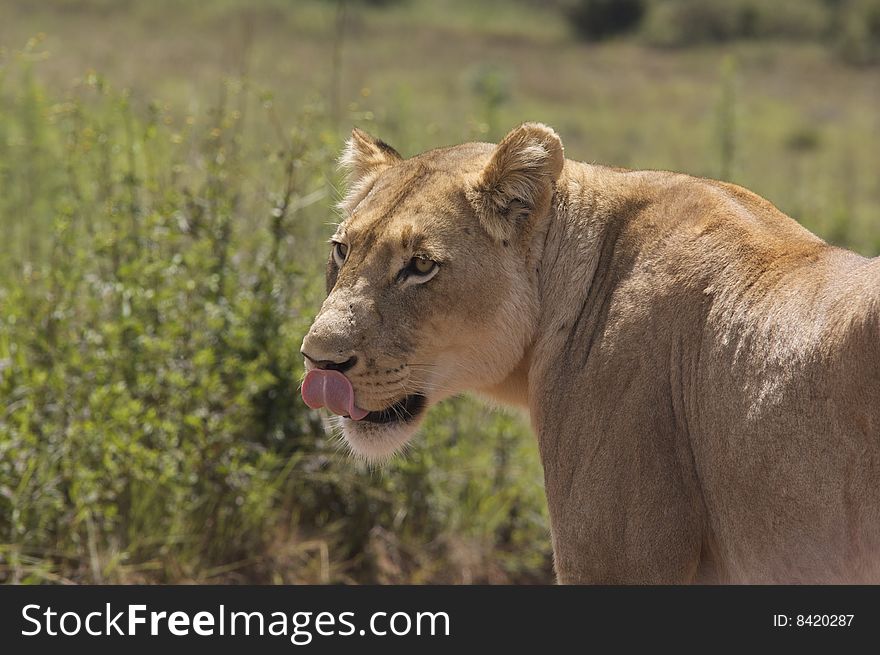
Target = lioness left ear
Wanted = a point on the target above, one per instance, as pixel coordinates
(364, 158)
(517, 183)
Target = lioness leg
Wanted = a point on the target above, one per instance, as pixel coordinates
(624, 516)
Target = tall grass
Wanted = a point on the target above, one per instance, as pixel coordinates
(726, 119)
(157, 277)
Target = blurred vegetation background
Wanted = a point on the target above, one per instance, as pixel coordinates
(167, 180)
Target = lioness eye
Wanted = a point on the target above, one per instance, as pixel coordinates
(340, 252)
(421, 267)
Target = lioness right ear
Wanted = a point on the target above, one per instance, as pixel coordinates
(517, 183)
(363, 158)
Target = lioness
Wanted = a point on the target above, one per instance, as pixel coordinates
(702, 373)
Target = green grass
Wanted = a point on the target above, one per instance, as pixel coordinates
(167, 175)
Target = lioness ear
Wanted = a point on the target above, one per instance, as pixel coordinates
(363, 158)
(517, 183)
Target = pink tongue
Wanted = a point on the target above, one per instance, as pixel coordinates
(331, 389)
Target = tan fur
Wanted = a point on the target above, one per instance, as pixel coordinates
(702, 373)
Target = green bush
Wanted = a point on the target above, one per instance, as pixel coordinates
(857, 33)
(149, 367)
(678, 23)
(852, 27)
(599, 19)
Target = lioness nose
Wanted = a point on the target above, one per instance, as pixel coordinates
(329, 364)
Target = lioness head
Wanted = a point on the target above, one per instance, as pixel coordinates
(430, 280)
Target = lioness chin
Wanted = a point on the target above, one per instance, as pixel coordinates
(702, 373)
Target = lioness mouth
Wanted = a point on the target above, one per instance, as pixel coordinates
(404, 410)
(331, 389)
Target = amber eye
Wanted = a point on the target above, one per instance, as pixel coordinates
(422, 268)
(340, 252)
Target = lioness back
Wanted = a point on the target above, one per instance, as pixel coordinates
(720, 328)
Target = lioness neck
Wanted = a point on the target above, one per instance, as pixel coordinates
(588, 209)
(564, 253)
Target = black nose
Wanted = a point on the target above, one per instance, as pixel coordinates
(330, 365)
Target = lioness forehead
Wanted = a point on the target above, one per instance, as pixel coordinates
(417, 199)
(415, 230)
